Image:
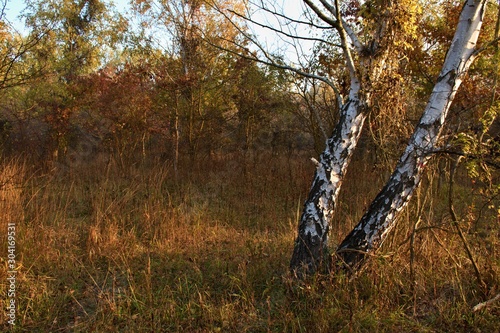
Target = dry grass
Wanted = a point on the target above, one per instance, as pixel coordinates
(111, 249)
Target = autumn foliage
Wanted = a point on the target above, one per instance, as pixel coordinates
(156, 172)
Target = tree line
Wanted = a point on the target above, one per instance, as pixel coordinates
(82, 68)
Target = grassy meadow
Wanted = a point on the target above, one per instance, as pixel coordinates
(116, 246)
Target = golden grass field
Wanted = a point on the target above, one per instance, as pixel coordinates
(124, 247)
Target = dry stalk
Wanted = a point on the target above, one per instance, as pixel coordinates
(459, 230)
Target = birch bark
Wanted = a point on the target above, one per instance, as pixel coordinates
(311, 246)
(380, 217)
(310, 251)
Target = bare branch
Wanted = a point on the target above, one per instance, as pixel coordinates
(2, 10)
(467, 156)
(289, 19)
(330, 8)
(485, 304)
(280, 31)
(325, 18)
(269, 60)
(309, 98)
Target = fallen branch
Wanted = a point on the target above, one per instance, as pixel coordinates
(485, 304)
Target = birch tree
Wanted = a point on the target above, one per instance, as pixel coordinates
(370, 36)
(366, 50)
(380, 217)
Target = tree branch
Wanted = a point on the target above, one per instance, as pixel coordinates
(269, 60)
(347, 52)
(322, 15)
(485, 304)
(291, 20)
(280, 31)
(333, 10)
(468, 156)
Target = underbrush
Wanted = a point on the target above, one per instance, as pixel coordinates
(108, 248)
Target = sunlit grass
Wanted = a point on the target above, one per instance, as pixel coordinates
(112, 249)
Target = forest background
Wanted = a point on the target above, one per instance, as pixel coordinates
(155, 174)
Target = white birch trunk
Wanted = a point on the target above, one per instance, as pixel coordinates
(377, 222)
(310, 249)
(310, 252)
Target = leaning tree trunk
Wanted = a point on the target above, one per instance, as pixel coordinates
(377, 222)
(310, 251)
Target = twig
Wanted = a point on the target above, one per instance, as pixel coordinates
(485, 304)
(457, 226)
(466, 155)
(281, 31)
(291, 20)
